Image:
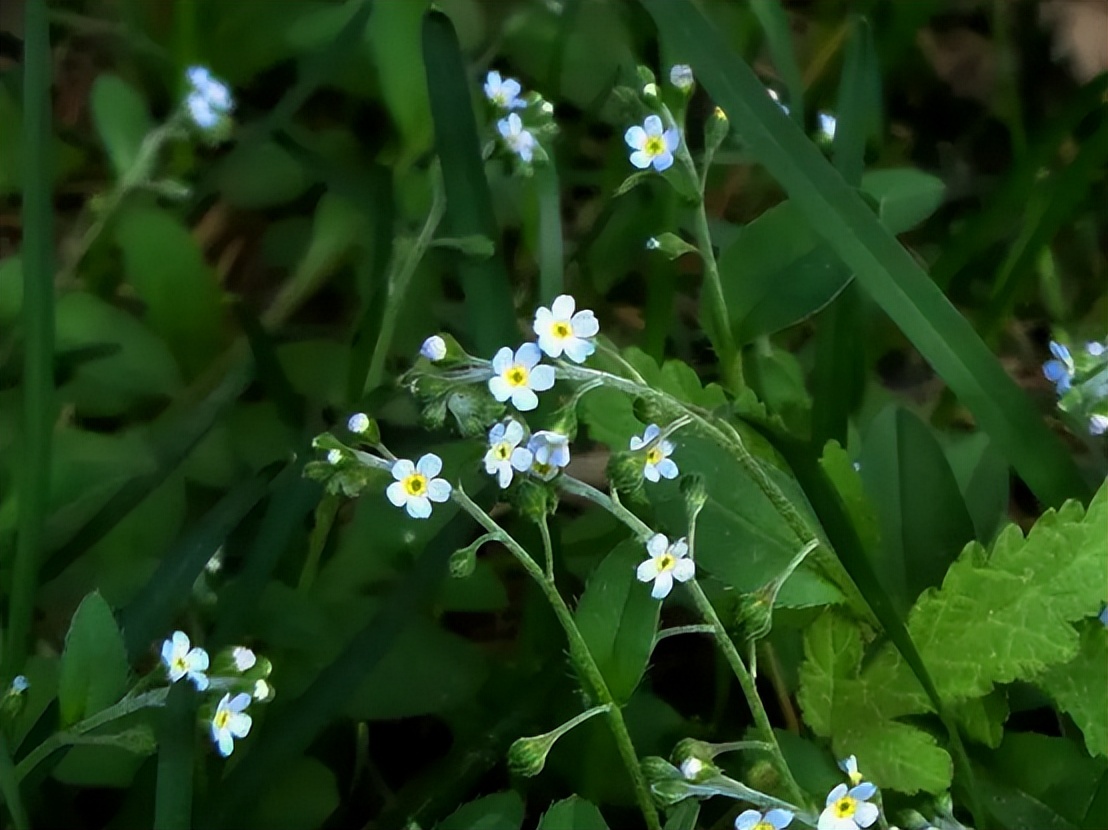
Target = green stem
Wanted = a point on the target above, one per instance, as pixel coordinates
(729, 787)
(666, 633)
(325, 514)
(547, 547)
(61, 739)
(398, 285)
(579, 653)
(9, 787)
(746, 682)
(576, 487)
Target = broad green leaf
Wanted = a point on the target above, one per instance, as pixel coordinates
(121, 119)
(683, 816)
(618, 619)
(778, 272)
(839, 469)
(999, 616)
(301, 798)
(982, 475)
(905, 196)
(165, 266)
(257, 175)
(572, 813)
(923, 518)
(1080, 687)
(94, 665)
(881, 265)
(393, 38)
(500, 811)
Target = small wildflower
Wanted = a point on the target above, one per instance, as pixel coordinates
(244, 658)
(550, 453)
(1098, 424)
(653, 244)
(691, 768)
(209, 100)
(519, 141)
(503, 92)
(433, 348)
(505, 456)
(358, 423)
(520, 376)
(775, 819)
(559, 329)
(230, 721)
(334, 456)
(848, 809)
(652, 145)
(827, 125)
(849, 765)
(416, 486)
(666, 563)
(1060, 370)
(681, 76)
(20, 684)
(658, 463)
(1095, 348)
(181, 660)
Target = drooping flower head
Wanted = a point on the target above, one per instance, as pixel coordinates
(1059, 371)
(416, 486)
(775, 819)
(209, 100)
(849, 809)
(433, 348)
(651, 144)
(658, 464)
(181, 660)
(519, 376)
(505, 456)
(230, 721)
(560, 330)
(503, 92)
(519, 140)
(666, 563)
(550, 453)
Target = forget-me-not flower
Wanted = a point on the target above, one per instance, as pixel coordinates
(775, 819)
(518, 377)
(416, 486)
(20, 684)
(550, 453)
(519, 140)
(666, 563)
(503, 92)
(209, 100)
(243, 658)
(505, 456)
(1059, 371)
(560, 330)
(849, 809)
(230, 721)
(358, 423)
(181, 660)
(433, 348)
(658, 464)
(652, 144)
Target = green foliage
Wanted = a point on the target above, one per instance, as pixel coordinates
(1000, 615)
(572, 813)
(94, 666)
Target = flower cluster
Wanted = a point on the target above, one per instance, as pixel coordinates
(1081, 382)
(849, 808)
(238, 673)
(208, 101)
(523, 119)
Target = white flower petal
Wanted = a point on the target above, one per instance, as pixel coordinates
(562, 307)
(585, 324)
(779, 819)
(835, 794)
(497, 433)
(181, 642)
(829, 821)
(429, 465)
(684, 570)
(865, 813)
(656, 545)
(635, 137)
(524, 399)
(199, 680)
(667, 468)
(513, 433)
(747, 819)
(542, 378)
(551, 346)
(528, 355)
(504, 475)
(402, 469)
(663, 161)
(239, 725)
(640, 159)
(679, 548)
(502, 360)
(650, 473)
(418, 507)
(650, 433)
(652, 126)
(439, 490)
(663, 584)
(578, 350)
(499, 388)
(225, 742)
(396, 494)
(522, 458)
(646, 571)
(672, 139)
(637, 443)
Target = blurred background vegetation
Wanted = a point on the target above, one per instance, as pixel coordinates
(204, 333)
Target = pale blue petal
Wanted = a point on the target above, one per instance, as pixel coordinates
(663, 161)
(640, 159)
(635, 137)
(652, 125)
(747, 819)
(779, 818)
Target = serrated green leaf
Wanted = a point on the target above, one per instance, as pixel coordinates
(500, 811)
(573, 813)
(839, 469)
(121, 119)
(618, 619)
(94, 665)
(1080, 687)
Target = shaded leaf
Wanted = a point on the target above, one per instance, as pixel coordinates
(94, 665)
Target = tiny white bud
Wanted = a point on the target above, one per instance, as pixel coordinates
(244, 658)
(653, 244)
(334, 456)
(650, 91)
(358, 423)
(433, 348)
(547, 107)
(691, 767)
(681, 76)
(20, 684)
(262, 690)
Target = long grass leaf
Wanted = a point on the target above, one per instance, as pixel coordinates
(38, 330)
(488, 303)
(551, 253)
(883, 268)
(774, 20)
(176, 748)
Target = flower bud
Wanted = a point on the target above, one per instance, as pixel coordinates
(358, 423)
(263, 691)
(625, 472)
(433, 348)
(681, 76)
(671, 245)
(763, 776)
(527, 756)
(754, 615)
(533, 499)
(656, 769)
(334, 456)
(648, 411)
(646, 76)
(650, 91)
(715, 130)
(463, 562)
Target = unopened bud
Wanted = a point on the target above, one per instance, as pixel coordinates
(695, 491)
(463, 562)
(681, 76)
(715, 130)
(646, 75)
(650, 91)
(358, 423)
(625, 472)
(533, 499)
(763, 776)
(527, 756)
(433, 348)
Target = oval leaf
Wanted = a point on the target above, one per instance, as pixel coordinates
(94, 664)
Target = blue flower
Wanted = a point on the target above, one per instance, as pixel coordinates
(519, 141)
(416, 485)
(658, 464)
(1095, 349)
(518, 377)
(503, 92)
(1060, 370)
(504, 456)
(550, 453)
(209, 100)
(827, 125)
(651, 144)
(775, 819)
(849, 809)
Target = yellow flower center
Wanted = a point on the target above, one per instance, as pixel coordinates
(845, 807)
(763, 825)
(543, 469)
(655, 145)
(561, 329)
(666, 562)
(221, 718)
(502, 451)
(179, 663)
(415, 484)
(654, 455)
(517, 375)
